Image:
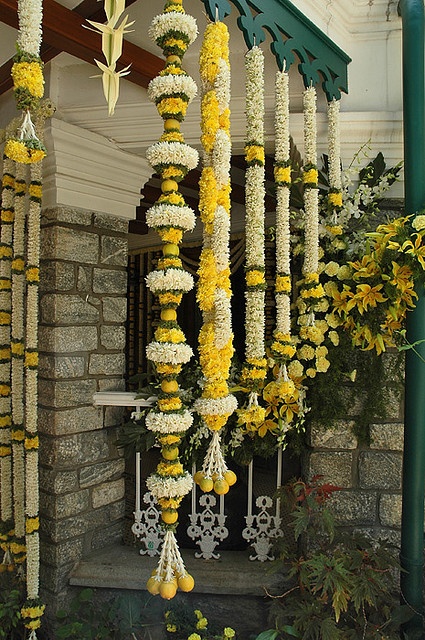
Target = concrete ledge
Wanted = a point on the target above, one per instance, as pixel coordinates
(122, 567)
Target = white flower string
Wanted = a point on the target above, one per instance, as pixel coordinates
(254, 369)
(213, 294)
(6, 253)
(171, 91)
(334, 146)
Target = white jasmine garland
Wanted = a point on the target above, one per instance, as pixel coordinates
(223, 318)
(169, 280)
(311, 208)
(282, 137)
(222, 85)
(168, 352)
(254, 66)
(169, 422)
(30, 15)
(173, 21)
(254, 329)
(221, 156)
(334, 144)
(254, 227)
(168, 486)
(310, 126)
(176, 153)
(216, 406)
(171, 84)
(171, 215)
(219, 239)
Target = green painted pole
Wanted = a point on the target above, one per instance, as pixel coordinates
(412, 527)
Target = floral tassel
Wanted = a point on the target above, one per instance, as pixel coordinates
(171, 91)
(213, 295)
(334, 145)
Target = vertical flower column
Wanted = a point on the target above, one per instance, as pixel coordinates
(334, 147)
(6, 253)
(254, 370)
(213, 295)
(171, 158)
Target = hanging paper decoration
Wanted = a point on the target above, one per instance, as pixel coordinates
(112, 41)
(215, 339)
(172, 91)
(254, 369)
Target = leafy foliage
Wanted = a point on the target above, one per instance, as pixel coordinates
(12, 597)
(341, 586)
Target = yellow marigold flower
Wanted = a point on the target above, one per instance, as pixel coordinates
(172, 107)
(28, 75)
(202, 623)
(257, 362)
(170, 503)
(5, 450)
(4, 390)
(8, 180)
(306, 352)
(174, 7)
(282, 174)
(255, 278)
(310, 372)
(223, 281)
(253, 373)
(210, 119)
(215, 423)
(35, 190)
(171, 235)
(175, 43)
(216, 389)
(169, 298)
(311, 278)
(18, 264)
(5, 252)
(31, 525)
(286, 350)
(172, 198)
(194, 636)
(228, 632)
(312, 333)
(169, 404)
(172, 172)
(418, 222)
(283, 284)
(18, 151)
(31, 443)
(31, 359)
(223, 196)
(344, 272)
(17, 349)
(18, 435)
(207, 195)
(254, 153)
(335, 199)
(334, 338)
(16, 548)
(172, 69)
(5, 353)
(32, 274)
(224, 120)
(311, 176)
(172, 136)
(5, 421)
(169, 335)
(7, 216)
(168, 369)
(295, 369)
(252, 417)
(170, 469)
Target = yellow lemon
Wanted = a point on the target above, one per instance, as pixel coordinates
(169, 386)
(230, 477)
(171, 123)
(198, 477)
(206, 484)
(168, 314)
(169, 185)
(170, 453)
(169, 516)
(167, 590)
(221, 487)
(170, 249)
(153, 585)
(186, 582)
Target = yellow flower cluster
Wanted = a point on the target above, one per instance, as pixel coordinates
(215, 363)
(254, 154)
(283, 284)
(335, 198)
(165, 334)
(255, 278)
(310, 177)
(210, 122)
(214, 48)
(18, 151)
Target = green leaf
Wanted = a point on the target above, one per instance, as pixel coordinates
(270, 634)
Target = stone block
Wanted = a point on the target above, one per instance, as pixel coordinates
(393, 402)
(107, 492)
(67, 452)
(114, 250)
(390, 510)
(55, 577)
(114, 309)
(57, 276)
(63, 506)
(54, 481)
(51, 366)
(380, 470)
(69, 551)
(335, 467)
(390, 536)
(66, 393)
(354, 507)
(102, 472)
(69, 215)
(68, 309)
(113, 416)
(113, 337)
(387, 436)
(57, 531)
(339, 436)
(85, 279)
(107, 536)
(393, 367)
(108, 281)
(107, 364)
(67, 339)
(113, 223)
(68, 421)
(111, 384)
(74, 245)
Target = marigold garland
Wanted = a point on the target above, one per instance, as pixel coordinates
(171, 91)
(213, 294)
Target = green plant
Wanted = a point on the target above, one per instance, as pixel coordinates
(182, 623)
(12, 596)
(340, 585)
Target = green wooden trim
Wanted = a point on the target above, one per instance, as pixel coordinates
(294, 37)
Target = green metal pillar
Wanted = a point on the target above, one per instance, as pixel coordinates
(412, 530)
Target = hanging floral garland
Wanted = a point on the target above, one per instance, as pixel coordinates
(171, 91)
(254, 370)
(334, 158)
(215, 339)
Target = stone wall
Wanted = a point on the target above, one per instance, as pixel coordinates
(369, 475)
(83, 308)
